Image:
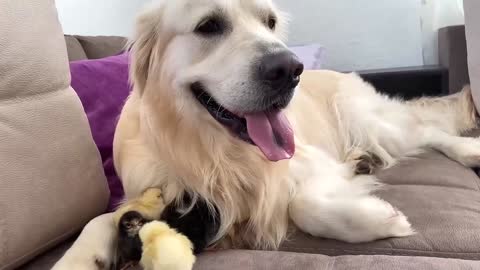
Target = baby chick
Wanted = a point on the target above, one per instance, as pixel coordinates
(164, 248)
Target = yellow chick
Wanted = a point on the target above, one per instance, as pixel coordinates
(150, 205)
(164, 248)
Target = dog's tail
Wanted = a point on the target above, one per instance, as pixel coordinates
(454, 114)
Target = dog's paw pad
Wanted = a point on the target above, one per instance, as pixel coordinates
(367, 164)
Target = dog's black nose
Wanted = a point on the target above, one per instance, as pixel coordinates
(281, 70)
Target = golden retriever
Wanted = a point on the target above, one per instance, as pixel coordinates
(218, 112)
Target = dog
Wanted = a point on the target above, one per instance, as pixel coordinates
(223, 111)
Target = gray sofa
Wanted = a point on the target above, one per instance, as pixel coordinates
(52, 182)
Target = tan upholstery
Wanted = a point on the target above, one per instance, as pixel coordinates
(251, 260)
(472, 29)
(94, 47)
(255, 260)
(51, 179)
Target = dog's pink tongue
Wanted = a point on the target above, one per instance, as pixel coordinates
(272, 133)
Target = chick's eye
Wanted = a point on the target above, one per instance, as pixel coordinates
(211, 26)
(272, 23)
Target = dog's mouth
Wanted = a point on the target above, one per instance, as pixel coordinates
(269, 130)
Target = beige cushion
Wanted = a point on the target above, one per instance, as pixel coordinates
(93, 47)
(74, 49)
(472, 29)
(253, 260)
(97, 47)
(51, 179)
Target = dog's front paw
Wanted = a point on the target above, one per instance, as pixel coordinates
(465, 151)
(94, 248)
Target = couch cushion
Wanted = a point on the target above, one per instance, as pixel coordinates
(253, 260)
(50, 171)
(102, 46)
(74, 49)
(441, 199)
(472, 28)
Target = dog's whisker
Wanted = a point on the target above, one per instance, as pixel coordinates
(220, 111)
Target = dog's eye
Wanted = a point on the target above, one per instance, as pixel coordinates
(272, 22)
(210, 26)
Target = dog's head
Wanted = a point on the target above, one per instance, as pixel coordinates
(224, 59)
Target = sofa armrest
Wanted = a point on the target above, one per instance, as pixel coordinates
(452, 49)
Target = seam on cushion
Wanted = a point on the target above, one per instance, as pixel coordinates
(3, 238)
(477, 181)
(38, 251)
(81, 47)
(392, 251)
(440, 186)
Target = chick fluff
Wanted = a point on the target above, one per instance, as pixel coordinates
(164, 248)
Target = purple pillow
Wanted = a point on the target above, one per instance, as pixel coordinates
(103, 87)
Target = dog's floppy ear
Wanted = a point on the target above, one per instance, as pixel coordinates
(142, 46)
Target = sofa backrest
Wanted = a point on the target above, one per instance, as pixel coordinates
(472, 29)
(51, 178)
(93, 47)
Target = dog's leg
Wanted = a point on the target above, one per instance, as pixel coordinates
(330, 202)
(464, 150)
(94, 248)
(442, 120)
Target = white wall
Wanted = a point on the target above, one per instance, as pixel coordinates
(98, 17)
(435, 15)
(359, 34)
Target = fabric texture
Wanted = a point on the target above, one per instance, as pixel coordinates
(75, 49)
(103, 86)
(97, 47)
(51, 177)
(472, 28)
(254, 260)
(452, 52)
